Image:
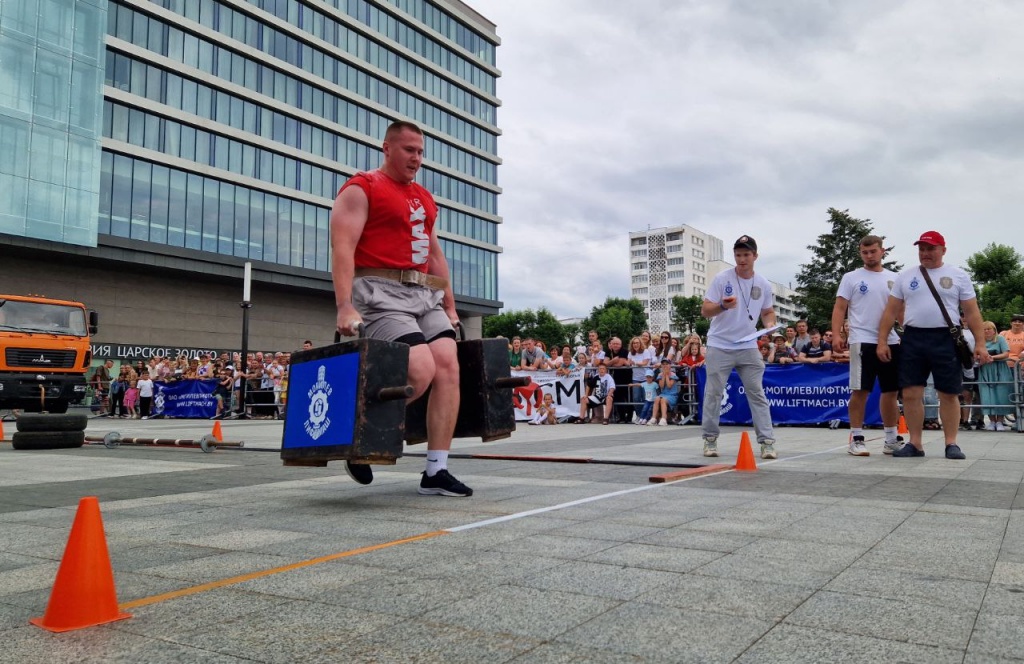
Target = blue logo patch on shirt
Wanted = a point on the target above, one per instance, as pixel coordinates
(863, 288)
(728, 288)
(914, 284)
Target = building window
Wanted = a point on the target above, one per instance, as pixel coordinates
(675, 261)
(640, 266)
(672, 249)
(639, 253)
(638, 242)
(675, 274)
(672, 237)
(639, 278)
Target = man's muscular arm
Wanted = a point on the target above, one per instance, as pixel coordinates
(348, 218)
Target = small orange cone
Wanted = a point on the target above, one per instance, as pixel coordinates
(1, 429)
(745, 460)
(902, 427)
(83, 594)
(217, 433)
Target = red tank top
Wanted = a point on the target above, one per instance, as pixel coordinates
(399, 222)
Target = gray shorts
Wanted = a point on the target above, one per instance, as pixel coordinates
(391, 310)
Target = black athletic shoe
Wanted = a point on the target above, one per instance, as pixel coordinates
(443, 484)
(360, 472)
(954, 452)
(908, 450)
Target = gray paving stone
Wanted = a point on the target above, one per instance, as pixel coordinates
(572, 653)
(522, 611)
(1004, 600)
(899, 583)
(603, 530)
(997, 635)
(649, 556)
(100, 644)
(402, 594)
(428, 643)
(290, 632)
(776, 570)
(737, 597)
(556, 547)
(816, 555)
(653, 631)
(196, 613)
(600, 580)
(896, 620)
(698, 539)
(215, 568)
(789, 644)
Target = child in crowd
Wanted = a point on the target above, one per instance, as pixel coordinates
(546, 412)
(650, 394)
(668, 393)
(131, 401)
(145, 385)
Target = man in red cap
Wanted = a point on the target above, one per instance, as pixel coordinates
(927, 345)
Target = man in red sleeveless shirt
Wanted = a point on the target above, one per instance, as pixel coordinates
(391, 275)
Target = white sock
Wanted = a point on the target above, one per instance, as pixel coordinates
(436, 460)
(890, 434)
(857, 432)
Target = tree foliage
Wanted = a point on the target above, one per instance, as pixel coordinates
(836, 253)
(685, 313)
(998, 274)
(540, 324)
(617, 317)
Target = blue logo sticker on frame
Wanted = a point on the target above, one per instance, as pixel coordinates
(322, 402)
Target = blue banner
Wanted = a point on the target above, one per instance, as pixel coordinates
(321, 405)
(801, 394)
(186, 399)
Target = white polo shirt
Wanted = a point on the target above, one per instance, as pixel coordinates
(867, 292)
(752, 296)
(952, 284)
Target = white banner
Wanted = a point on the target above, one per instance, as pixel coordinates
(566, 391)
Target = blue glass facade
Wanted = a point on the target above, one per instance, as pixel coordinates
(227, 127)
(51, 78)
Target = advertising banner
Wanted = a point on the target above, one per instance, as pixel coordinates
(566, 392)
(807, 394)
(186, 399)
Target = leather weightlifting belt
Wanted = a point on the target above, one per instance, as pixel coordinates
(413, 277)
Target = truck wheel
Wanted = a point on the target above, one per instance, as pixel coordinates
(43, 422)
(47, 440)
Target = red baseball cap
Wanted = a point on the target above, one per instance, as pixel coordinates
(933, 238)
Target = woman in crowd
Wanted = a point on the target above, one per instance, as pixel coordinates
(995, 379)
(554, 357)
(515, 353)
(645, 338)
(675, 353)
(640, 359)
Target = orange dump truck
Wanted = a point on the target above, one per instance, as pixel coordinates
(44, 352)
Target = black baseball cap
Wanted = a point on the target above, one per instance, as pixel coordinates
(745, 242)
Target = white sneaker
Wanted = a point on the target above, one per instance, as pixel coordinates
(991, 426)
(1001, 427)
(662, 422)
(636, 419)
(768, 449)
(889, 448)
(857, 447)
(710, 447)
(652, 423)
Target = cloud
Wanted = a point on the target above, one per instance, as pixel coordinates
(748, 117)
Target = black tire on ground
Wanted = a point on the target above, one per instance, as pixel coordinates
(47, 440)
(30, 422)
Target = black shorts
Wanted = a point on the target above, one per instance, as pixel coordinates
(930, 350)
(865, 368)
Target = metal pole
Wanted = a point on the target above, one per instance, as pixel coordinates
(244, 359)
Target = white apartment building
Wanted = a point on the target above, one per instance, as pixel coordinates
(666, 262)
(786, 311)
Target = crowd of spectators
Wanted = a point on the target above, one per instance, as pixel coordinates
(128, 391)
(662, 369)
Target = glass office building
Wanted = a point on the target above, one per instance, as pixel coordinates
(226, 127)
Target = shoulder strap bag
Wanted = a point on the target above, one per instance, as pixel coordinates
(963, 352)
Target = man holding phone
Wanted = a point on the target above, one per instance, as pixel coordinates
(735, 300)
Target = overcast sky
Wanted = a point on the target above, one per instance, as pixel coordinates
(749, 116)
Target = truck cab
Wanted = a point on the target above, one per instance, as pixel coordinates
(44, 352)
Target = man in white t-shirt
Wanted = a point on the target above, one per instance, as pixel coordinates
(735, 300)
(927, 345)
(863, 294)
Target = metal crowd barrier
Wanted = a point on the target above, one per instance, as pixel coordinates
(686, 403)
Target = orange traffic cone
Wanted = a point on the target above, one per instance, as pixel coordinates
(745, 460)
(83, 594)
(217, 432)
(1, 429)
(902, 427)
